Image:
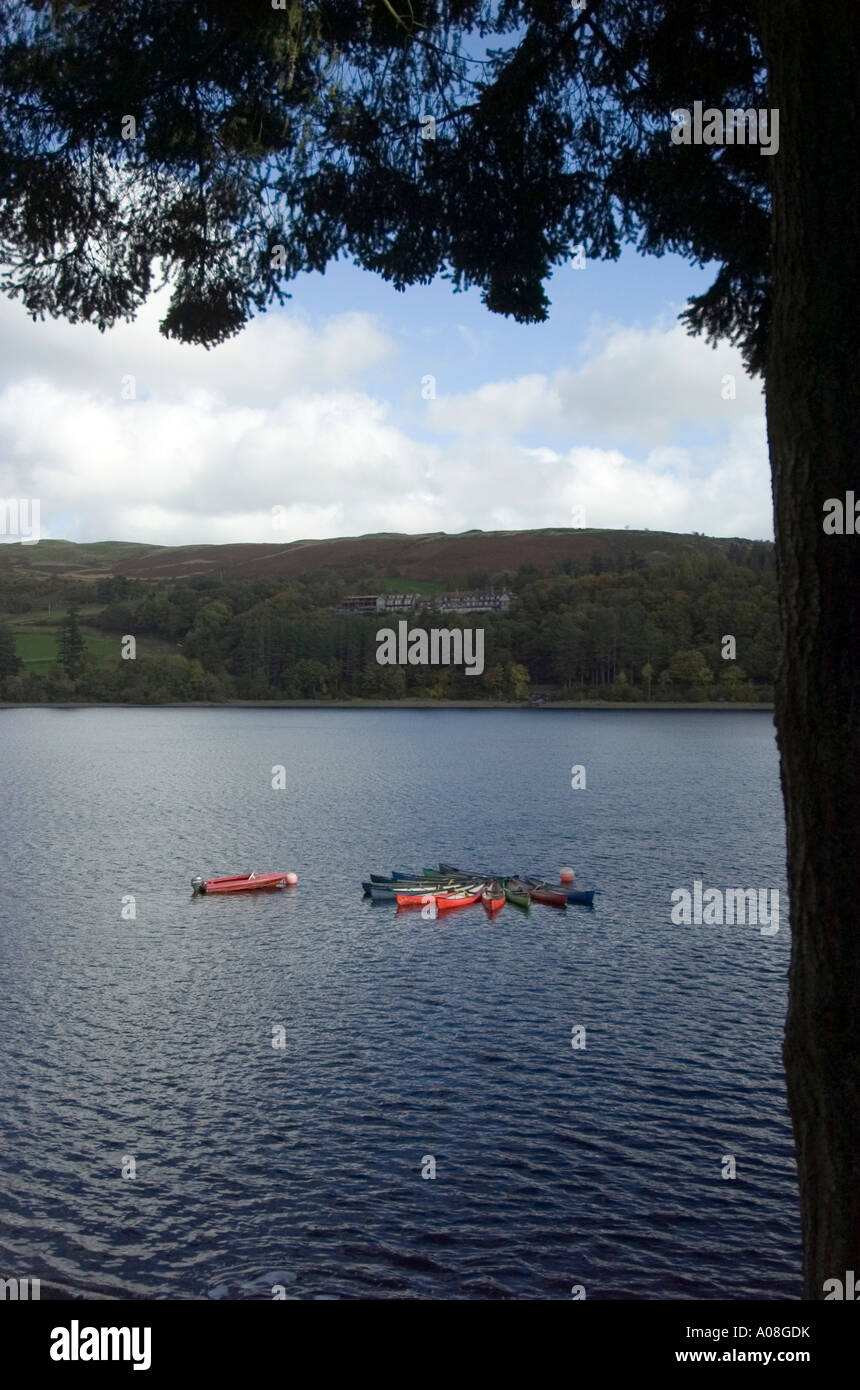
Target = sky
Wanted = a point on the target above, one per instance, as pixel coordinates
(356, 409)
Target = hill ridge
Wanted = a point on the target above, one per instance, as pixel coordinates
(435, 555)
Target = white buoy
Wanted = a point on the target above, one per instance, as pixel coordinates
(292, 879)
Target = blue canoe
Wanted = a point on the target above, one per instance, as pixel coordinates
(585, 896)
(381, 892)
(395, 877)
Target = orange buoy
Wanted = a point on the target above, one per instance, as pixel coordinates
(566, 875)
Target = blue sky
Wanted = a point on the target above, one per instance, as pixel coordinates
(456, 338)
(313, 422)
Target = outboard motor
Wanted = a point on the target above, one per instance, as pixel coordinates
(197, 883)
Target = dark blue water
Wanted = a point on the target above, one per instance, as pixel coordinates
(405, 1039)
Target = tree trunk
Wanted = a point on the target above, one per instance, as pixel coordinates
(812, 48)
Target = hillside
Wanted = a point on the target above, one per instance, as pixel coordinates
(56, 558)
(613, 615)
(437, 557)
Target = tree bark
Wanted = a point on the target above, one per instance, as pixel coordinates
(812, 49)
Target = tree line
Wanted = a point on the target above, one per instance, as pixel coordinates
(651, 628)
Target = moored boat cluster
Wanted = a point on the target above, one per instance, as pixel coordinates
(447, 887)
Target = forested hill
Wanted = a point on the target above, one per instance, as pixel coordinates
(616, 615)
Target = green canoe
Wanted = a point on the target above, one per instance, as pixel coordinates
(517, 893)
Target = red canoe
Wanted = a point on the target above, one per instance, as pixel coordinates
(493, 897)
(414, 899)
(244, 883)
(444, 900)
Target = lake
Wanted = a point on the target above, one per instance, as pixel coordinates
(144, 1043)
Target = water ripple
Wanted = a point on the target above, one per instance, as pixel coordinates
(300, 1168)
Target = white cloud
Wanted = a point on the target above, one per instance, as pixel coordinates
(277, 353)
(206, 470)
(634, 384)
(666, 490)
(278, 419)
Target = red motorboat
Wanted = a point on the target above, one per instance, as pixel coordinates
(241, 883)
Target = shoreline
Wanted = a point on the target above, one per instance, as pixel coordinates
(667, 705)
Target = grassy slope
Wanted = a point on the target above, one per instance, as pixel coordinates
(53, 557)
(386, 585)
(39, 648)
(433, 558)
(37, 638)
(420, 560)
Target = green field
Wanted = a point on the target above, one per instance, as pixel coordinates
(400, 585)
(50, 618)
(39, 648)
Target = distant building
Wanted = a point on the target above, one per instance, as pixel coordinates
(360, 603)
(479, 601)
(398, 603)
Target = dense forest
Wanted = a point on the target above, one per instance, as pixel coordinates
(650, 627)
